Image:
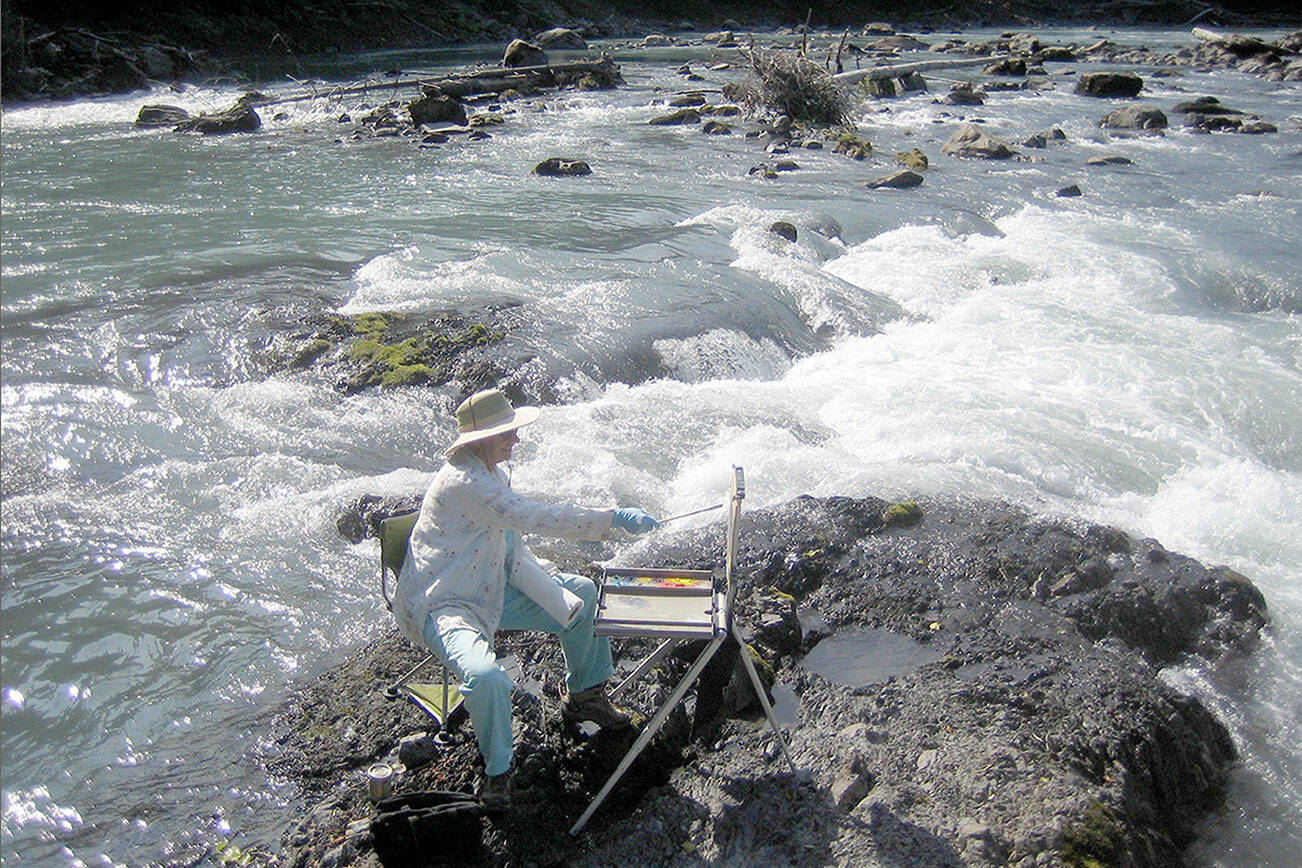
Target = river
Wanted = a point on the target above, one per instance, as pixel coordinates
(171, 566)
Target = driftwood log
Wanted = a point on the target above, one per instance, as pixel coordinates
(481, 81)
(881, 72)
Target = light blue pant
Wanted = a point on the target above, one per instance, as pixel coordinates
(487, 687)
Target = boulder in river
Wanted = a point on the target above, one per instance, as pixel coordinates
(1109, 84)
(897, 42)
(1204, 105)
(912, 82)
(853, 146)
(878, 87)
(1148, 119)
(964, 94)
(1007, 66)
(901, 180)
(972, 141)
(556, 167)
(784, 229)
(914, 159)
(393, 349)
(688, 100)
(677, 118)
(435, 108)
(239, 118)
(561, 38)
(158, 115)
(521, 53)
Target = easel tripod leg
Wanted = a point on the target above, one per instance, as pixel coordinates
(764, 699)
(649, 732)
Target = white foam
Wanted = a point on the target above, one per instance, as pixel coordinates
(410, 280)
(721, 353)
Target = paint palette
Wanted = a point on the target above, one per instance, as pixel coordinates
(658, 602)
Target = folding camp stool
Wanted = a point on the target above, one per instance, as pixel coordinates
(676, 606)
(442, 701)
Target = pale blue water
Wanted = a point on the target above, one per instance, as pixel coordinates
(170, 561)
(858, 656)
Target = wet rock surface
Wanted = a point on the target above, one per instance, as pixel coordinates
(384, 349)
(1031, 729)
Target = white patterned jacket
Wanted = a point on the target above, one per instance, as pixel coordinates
(456, 560)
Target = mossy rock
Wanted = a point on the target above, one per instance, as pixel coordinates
(486, 120)
(914, 159)
(767, 672)
(1097, 841)
(371, 323)
(408, 375)
(388, 349)
(309, 353)
(902, 514)
(852, 146)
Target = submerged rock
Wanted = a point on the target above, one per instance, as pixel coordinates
(1035, 728)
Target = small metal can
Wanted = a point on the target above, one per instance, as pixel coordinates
(379, 781)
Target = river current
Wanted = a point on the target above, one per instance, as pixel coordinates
(171, 566)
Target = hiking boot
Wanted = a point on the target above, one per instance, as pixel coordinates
(593, 704)
(495, 792)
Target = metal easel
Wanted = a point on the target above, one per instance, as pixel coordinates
(678, 606)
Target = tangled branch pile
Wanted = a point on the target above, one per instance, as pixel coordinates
(787, 83)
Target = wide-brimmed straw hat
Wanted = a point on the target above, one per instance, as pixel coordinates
(487, 413)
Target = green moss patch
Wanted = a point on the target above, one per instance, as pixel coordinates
(1097, 841)
(852, 146)
(386, 349)
(902, 514)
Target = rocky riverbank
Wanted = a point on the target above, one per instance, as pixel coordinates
(961, 683)
(67, 52)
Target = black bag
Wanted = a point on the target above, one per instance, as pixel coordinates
(434, 827)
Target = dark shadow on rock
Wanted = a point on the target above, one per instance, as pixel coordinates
(904, 844)
(775, 819)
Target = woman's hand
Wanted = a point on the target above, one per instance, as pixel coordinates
(634, 520)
